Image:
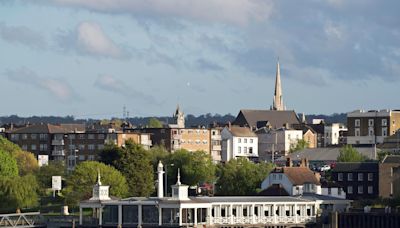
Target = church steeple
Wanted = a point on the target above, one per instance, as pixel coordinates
(179, 117)
(278, 101)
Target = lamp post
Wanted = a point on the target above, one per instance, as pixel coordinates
(166, 178)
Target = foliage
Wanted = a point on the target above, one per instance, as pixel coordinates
(26, 161)
(135, 164)
(8, 146)
(195, 167)
(300, 145)
(241, 177)
(18, 192)
(154, 123)
(110, 154)
(84, 177)
(158, 153)
(350, 154)
(45, 173)
(8, 165)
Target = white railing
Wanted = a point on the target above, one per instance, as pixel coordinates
(58, 153)
(57, 142)
(260, 220)
(32, 219)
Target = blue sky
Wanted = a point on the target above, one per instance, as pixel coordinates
(90, 58)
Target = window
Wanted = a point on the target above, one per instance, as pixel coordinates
(239, 149)
(349, 176)
(205, 142)
(384, 122)
(280, 176)
(357, 122)
(251, 140)
(357, 132)
(360, 189)
(90, 136)
(245, 140)
(100, 136)
(340, 176)
(329, 191)
(43, 136)
(370, 189)
(371, 132)
(384, 131)
(250, 150)
(91, 147)
(273, 176)
(339, 191)
(81, 136)
(239, 140)
(245, 150)
(33, 136)
(72, 147)
(24, 136)
(43, 147)
(370, 122)
(33, 147)
(24, 147)
(349, 189)
(81, 146)
(91, 157)
(71, 136)
(100, 147)
(370, 176)
(81, 157)
(360, 177)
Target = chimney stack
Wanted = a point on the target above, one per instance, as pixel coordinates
(289, 162)
(229, 125)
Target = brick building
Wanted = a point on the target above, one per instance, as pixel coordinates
(389, 176)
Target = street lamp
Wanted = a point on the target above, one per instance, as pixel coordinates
(166, 178)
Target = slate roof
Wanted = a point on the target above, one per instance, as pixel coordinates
(325, 154)
(274, 190)
(391, 159)
(356, 167)
(40, 128)
(275, 118)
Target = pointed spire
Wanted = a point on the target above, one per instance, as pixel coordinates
(278, 102)
(178, 182)
(98, 177)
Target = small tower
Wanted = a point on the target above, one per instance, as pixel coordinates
(278, 100)
(100, 192)
(179, 118)
(179, 190)
(160, 172)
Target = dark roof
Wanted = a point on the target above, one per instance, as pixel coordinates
(241, 131)
(391, 159)
(356, 166)
(40, 128)
(73, 127)
(319, 128)
(274, 190)
(275, 118)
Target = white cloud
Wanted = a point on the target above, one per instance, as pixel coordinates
(238, 12)
(56, 87)
(334, 31)
(92, 39)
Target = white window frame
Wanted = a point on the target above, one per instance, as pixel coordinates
(357, 122)
(370, 122)
(370, 189)
(350, 177)
(360, 189)
(384, 122)
(340, 176)
(349, 189)
(360, 176)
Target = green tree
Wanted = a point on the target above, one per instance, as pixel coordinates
(300, 145)
(80, 183)
(241, 177)
(154, 123)
(17, 192)
(350, 154)
(110, 154)
(26, 161)
(8, 146)
(8, 165)
(158, 153)
(45, 173)
(135, 164)
(196, 167)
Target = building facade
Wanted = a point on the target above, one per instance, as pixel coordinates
(238, 142)
(371, 127)
(332, 134)
(389, 177)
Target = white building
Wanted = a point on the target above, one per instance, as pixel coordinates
(276, 143)
(182, 210)
(238, 142)
(332, 134)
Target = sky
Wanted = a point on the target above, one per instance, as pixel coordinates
(90, 58)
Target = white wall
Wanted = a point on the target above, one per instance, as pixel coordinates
(334, 193)
(280, 178)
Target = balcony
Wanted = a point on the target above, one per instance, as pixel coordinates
(216, 147)
(57, 142)
(216, 137)
(58, 153)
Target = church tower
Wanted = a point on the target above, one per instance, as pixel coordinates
(278, 101)
(179, 118)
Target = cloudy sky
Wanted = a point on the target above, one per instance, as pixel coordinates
(89, 58)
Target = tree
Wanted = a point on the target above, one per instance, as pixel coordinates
(158, 153)
(80, 183)
(300, 145)
(110, 154)
(45, 173)
(154, 123)
(350, 154)
(8, 146)
(241, 177)
(26, 161)
(135, 164)
(196, 167)
(18, 192)
(8, 165)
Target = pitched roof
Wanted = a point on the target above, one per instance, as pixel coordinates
(40, 128)
(298, 175)
(241, 131)
(274, 190)
(277, 119)
(391, 159)
(356, 166)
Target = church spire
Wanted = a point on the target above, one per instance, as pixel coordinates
(278, 101)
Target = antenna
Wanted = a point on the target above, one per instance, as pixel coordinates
(124, 112)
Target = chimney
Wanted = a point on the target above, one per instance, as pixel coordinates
(318, 176)
(289, 162)
(229, 125)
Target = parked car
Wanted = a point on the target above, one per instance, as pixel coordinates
(325, 168)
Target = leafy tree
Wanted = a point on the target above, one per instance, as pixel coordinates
(241, 177)
(26, 161)
(154, 123)
(196, 167)
(45, 173)
(18, 192)
(80, 183)
(110, 154)
(8, 146)
(135, 164)
(300, 145)
(350, 154)
(8, 165)
(158, 153)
